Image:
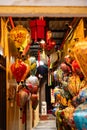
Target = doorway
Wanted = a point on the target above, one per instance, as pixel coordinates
(2, 93)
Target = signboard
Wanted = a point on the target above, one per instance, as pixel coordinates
(43, 2)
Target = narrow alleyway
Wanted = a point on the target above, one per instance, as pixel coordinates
(49, 124)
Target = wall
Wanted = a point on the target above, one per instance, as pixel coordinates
(13, 121)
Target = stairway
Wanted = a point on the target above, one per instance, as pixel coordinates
(46, 125)
(47, 117)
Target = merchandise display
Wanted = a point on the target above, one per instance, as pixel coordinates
(70, 96)
(65, 76)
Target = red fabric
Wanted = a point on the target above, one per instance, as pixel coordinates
(37, 29)
(50, 44)
(18, 70)
(34, 89)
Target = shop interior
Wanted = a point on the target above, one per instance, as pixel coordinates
(38, 48)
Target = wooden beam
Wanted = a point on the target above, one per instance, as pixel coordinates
(54, 11)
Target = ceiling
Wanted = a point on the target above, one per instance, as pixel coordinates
(60, 27)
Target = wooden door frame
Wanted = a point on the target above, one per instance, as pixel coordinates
(54, 11)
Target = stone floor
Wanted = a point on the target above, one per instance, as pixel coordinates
(49, 124)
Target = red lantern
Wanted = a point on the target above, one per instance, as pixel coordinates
(50, 43)
(34, 89)
(37, 29)
(18, 69)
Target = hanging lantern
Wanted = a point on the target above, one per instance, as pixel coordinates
(32, 89)
(32, 80)
(19, 34)
(50, 43)
(37, 29)
(18, 69)
(22, 97)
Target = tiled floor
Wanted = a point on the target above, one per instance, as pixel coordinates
(46, 125)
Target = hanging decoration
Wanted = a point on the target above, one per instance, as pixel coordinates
(50, 43)
(80, 52)
(32, 79)
(18, 69)
(37, 27)
(22, 97)
(19, 35)
(32, 82)
(26, 44)
(48, 48)
(24, 65)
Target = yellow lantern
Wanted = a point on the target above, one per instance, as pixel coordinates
(19, 34)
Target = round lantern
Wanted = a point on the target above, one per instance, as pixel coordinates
(32, 80)
(35, 89)
(19, 34)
